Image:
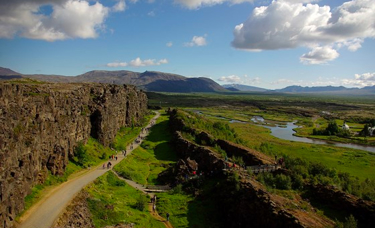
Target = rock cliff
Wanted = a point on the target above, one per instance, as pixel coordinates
(249, 205)
(41, 123)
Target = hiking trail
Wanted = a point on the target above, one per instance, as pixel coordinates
(47, 210)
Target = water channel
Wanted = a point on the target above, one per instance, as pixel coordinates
(285, 131)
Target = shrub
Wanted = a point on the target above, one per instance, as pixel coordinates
(297, 181)
(177, 189)
(141, 203)
(81, 156)
(283, 182)
(350, 222)
(235, 180)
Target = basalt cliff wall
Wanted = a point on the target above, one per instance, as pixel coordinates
(244, 202)
(41, 123)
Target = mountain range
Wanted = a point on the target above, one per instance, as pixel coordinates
(148, 80)
(166, 82)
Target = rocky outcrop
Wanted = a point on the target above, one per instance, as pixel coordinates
(251, 205)
(244, 202)
(249, 156)
(41, 123)
(207, 159)
(77, 214)
(363, 211)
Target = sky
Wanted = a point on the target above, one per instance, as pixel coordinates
(263, 43)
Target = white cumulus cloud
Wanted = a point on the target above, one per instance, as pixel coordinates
(138, 62)
(286, 24)
(169, 44)
(319, 55)
(195, 4)
(197, 41)
(68, 19)
(361, 80)
(230, 79)
(120, 6)
(235, 79)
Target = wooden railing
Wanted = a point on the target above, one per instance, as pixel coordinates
(263, 168)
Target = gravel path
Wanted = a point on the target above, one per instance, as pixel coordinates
(47, 210)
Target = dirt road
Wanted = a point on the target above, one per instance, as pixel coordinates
(47, 210)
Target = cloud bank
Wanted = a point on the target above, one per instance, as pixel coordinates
(286, 24)
(195, 4)
(138, 63)
(235, 79)
(64, 19)
(361, 80)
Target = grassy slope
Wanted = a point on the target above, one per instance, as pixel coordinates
(108, 190)
(151, 158)
(144, 165)
(189, 211)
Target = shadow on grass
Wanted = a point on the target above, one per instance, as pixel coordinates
(164, 152)
(159, 132)
(328, 210)
(206, 210)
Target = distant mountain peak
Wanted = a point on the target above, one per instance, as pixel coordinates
(6, 71)
(240, 87)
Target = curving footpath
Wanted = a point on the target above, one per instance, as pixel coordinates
(46, 211)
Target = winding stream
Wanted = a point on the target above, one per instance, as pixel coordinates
(286, 132)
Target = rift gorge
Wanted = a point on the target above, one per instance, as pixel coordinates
(107, 154)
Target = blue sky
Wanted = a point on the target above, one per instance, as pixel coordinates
(270, 44)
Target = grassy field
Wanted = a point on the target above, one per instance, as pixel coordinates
(153, 156)
(358, 163)
(185, 210)
(108, 191)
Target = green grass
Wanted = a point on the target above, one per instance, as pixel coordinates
(176, 205)
(185, 210)
(358, 163)
(153, 156)
(109, 191)
(128, 134)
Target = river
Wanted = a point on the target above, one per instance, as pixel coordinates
(286, 132)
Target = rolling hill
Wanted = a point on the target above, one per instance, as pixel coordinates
(148, 80)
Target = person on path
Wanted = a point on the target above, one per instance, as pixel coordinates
(154, 207)
(167, 217)
(103, 165)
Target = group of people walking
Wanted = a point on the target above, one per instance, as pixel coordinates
(153, 201)
(124, 153)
